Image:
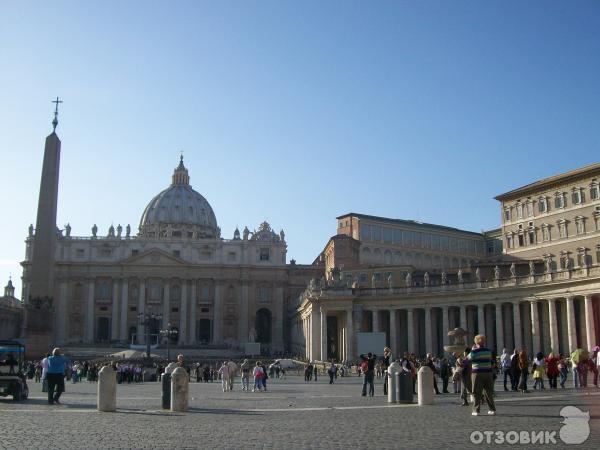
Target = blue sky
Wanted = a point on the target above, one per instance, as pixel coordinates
(294, 112)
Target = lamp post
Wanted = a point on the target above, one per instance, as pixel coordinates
(146, 320)
(168, 332)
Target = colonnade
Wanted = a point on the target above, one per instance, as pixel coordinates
(557, 324)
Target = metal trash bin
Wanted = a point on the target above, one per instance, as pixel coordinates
(166, 390)
(404, 387)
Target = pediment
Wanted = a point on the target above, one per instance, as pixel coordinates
(154, 257)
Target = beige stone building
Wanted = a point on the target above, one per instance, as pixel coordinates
(415, 281)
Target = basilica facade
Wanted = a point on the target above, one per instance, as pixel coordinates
(177, 273)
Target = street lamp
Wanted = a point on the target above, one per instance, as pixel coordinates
(168, 332)
(146, 320)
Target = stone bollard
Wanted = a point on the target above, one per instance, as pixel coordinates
(425, 382)
(391, 378)
(179, 390)
(107, 389)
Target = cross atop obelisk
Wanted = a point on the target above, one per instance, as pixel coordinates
(55, 121)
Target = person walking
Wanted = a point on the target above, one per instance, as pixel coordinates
(552, 371)
(224, 372)
(482, 377)
(332, 372)
(514, 370)
(245, 369)
(563, 371)
(431, 364)
(385, 363)
(445, 375)
(369, 373)
(463, 364)
(505, 367)
(258, 374)
(56, 376)
(539, 371)
(523, 370)
(408, 367)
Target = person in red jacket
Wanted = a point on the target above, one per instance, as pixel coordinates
(552, 370)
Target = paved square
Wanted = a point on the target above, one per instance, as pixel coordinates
(292, 414)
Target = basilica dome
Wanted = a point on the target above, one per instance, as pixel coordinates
(179, 211)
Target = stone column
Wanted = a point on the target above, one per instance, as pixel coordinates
(590, 328)
(193, 316)
(463, 317)
(89, 313)
(428, 330)
(445, 326)
(323, 351)
(349, 336)
(571, 332)
(243, 323)
(393, 332)
(183, 315)
(410, 330)
(499, 328)
(315, 324)
(114, 321)
(217, 337)
(517, 325)
(480, 319)
(61, 312)
(141, 331)
(375, 315)
(535, 328)
(124, 310)
(166, 306)
(553, 326)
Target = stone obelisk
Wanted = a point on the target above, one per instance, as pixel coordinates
(39, 321)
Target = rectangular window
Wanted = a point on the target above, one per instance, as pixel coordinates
(576, 196)
(519, 211)
(231, 256)
(388, 235)
(545, 234)
(562, 230)
(559, 201)
(177, 253)
(509, 241)
(377, 276)
(529, 209)
(543, 205)
(521, 241)
(579, 227)
(133, 308)
(531, 235)
(134, 252)
(204, 310)
(362, 278)
(264, 254)
(365, 232)
(105, 252)
(594, 191)
(80, 253)
(174, 309)
(507, 214)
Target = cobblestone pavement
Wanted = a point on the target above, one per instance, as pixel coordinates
(292, 414)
